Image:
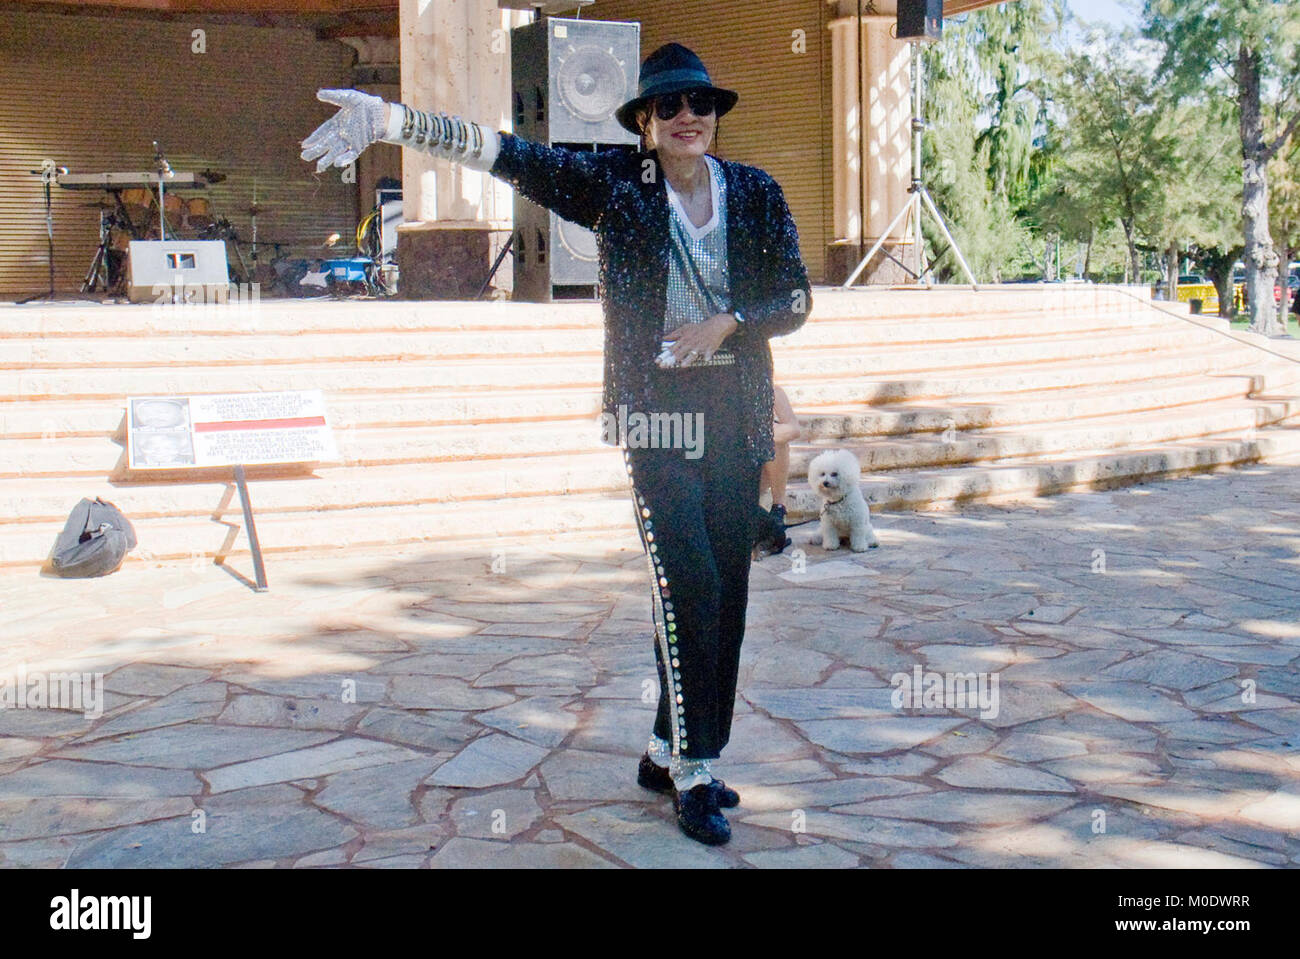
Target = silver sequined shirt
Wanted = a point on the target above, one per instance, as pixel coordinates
(610, 193)
(708, 245)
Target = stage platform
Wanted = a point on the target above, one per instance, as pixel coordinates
(477, 422)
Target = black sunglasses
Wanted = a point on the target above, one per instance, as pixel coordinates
(701, 102)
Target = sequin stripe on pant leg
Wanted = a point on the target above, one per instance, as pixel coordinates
(662, 611)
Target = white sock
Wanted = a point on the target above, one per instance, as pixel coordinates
(660, 753)
(689, 773)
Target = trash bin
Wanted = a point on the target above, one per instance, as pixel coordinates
(1195, 305)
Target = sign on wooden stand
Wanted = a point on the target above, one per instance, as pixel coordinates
(229, 429)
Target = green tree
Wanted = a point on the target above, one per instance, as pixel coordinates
(1116, 152)
(1284, 211)
(1252, 44)
(1013, 56)
(1195, 208)
(1214, 241)
(1217, 262)
(986, 105)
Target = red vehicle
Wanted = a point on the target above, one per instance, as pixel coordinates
(1293, 281)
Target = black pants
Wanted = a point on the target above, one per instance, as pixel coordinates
(695, 516)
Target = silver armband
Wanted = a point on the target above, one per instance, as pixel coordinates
(449, 137)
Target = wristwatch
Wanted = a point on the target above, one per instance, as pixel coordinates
(740, 320)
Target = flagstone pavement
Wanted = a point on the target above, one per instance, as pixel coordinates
(450, 707)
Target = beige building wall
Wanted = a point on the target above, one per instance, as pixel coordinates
(92, 93)
(777, 56)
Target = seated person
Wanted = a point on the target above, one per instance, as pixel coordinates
(770, 532)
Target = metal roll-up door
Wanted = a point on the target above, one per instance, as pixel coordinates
(93, 92)
(782, 122)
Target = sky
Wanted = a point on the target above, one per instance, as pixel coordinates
(1108, 13)
(1105, 11)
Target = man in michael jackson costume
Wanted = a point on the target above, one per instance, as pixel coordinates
(699, 266)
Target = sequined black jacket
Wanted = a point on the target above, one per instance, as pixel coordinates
(620, 195)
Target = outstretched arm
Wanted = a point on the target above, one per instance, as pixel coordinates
(363, 119)
(575, 184)
(451, 138)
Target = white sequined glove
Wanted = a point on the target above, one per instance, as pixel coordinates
(343, 137)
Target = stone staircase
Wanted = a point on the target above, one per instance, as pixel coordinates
(476, 423)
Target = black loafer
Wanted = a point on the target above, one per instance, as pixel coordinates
(769, 531)
(651, 775)
(698, 815)
(781, 541)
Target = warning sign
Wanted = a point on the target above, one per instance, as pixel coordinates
(229, 429)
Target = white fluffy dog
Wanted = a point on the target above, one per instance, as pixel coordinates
(834, 476)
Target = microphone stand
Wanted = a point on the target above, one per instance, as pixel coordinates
(164, 173)
(47, 173)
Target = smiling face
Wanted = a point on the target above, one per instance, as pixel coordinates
(683, 137)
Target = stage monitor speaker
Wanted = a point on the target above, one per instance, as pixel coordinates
(920, 19)
(567, 78)
(177, 271)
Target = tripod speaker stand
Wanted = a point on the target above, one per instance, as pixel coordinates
(920, 196)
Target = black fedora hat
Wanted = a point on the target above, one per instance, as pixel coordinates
(671, 69)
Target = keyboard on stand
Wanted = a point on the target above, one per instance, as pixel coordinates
(129, 181)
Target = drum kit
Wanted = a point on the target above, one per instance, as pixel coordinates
(131, 211)
(146, 205)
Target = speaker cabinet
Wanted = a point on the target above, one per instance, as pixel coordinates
(567, 79)
(177, 271)
(920, 19)
(569, 76)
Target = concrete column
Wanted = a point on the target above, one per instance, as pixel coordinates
(882, 76)
(455, 57)
(847, 170)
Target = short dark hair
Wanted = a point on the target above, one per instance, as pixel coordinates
(643, 113)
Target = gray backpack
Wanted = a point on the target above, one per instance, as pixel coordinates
(94, 541)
